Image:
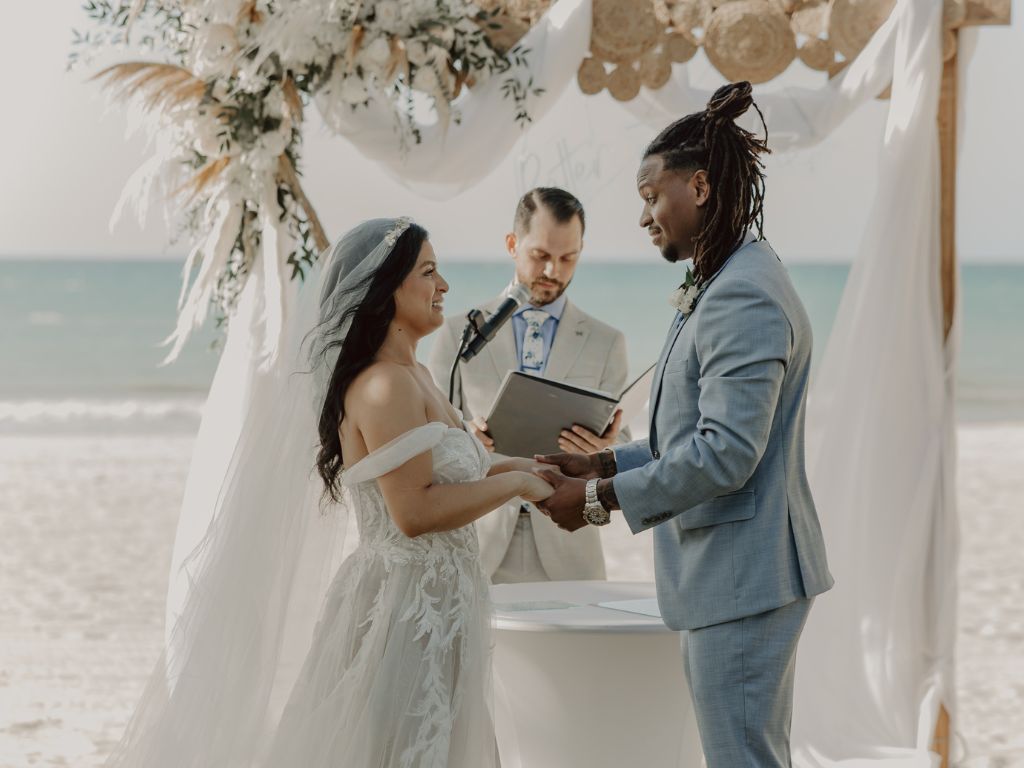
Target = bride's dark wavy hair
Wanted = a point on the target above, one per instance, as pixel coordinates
(370, 321)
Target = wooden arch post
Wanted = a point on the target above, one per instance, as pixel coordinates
(986, 12)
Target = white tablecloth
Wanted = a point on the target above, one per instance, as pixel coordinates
(588, 686)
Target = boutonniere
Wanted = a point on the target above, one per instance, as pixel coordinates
(685, 296)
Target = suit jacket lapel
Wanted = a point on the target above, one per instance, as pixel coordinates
(670, 343)
(570, 336)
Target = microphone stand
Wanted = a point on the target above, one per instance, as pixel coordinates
(474, 319)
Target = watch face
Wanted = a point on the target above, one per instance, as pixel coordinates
(599, 516)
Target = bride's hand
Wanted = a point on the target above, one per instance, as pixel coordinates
(528, 465)
(534, 488)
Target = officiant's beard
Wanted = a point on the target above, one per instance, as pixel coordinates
(539, 299)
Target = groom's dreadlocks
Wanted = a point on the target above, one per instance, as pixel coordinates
(712, 141)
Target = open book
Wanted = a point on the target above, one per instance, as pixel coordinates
(529, 411)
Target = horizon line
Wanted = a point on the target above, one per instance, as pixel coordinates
(471, 258)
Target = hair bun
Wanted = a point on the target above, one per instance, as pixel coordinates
(730, 101)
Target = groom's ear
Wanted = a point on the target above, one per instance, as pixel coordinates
(701, 187)
(510, 243)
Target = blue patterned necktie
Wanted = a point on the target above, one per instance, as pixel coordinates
(533, 341)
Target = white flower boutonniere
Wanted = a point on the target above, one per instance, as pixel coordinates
(685, 296)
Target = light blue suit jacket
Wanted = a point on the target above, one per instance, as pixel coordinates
(722, 474)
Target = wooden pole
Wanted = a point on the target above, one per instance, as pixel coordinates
(947, 165)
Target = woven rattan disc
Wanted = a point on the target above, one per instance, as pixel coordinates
(525, 9)
(810, 20)
(750, 40)
(679, 48)
(851, 23)
(624, 83)
(954, 13)
(623, 30)
(817, 54)
(663, 11)
(690, 18)
(592, 77)
(655, 69)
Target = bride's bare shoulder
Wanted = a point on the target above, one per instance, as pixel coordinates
(383, 385)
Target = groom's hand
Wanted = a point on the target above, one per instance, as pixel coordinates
(580, 465)
(565, 505)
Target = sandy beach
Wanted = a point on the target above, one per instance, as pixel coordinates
(88, 525)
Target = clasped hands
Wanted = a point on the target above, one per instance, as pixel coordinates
(569, 470)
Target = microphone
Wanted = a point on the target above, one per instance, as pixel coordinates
(517, 295)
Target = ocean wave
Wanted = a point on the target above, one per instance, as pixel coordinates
(100, 415)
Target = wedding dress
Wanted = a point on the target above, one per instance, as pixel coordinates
(276, 654)
(398, 673)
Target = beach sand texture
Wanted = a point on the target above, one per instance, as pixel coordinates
(88, 524)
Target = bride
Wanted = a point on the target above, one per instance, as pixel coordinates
(396, 668)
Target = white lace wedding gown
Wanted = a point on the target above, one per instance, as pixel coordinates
(398, 673)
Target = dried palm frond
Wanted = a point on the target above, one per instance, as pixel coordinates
(286, 174)
(204, 177)
(354, 41)
(249, 12)
(161, 86)
(292, 101)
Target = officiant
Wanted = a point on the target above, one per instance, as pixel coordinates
(553, 338)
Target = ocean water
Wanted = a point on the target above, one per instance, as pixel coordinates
(80, 340)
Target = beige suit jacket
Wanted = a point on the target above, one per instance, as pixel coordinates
(585, 352)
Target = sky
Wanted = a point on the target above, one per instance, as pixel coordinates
(65, 155)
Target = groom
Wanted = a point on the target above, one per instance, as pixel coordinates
(739, 553)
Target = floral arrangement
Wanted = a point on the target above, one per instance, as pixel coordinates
(228, 88)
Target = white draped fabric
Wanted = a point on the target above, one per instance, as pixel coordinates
(452, 157)
(877, 657)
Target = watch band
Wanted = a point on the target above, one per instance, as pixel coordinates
(594, 511)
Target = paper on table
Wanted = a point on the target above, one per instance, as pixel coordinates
(647, 607)
(534, 605)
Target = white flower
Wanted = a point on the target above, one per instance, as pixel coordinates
(252, 81)
(424, 8)
(273, 103)
(425, 80)
(273, 143)
(684, 298)
(214, 51)
(220, 90)
(375, 57)
(388, 15)
(352, 90)
(208, 137)
(222, 11)
(260, 160)
(444, 34)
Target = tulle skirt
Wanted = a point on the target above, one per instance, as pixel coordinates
(399, 669)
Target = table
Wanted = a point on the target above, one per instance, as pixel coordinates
(588, 686)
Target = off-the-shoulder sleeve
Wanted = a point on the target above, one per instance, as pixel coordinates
(394, 454)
